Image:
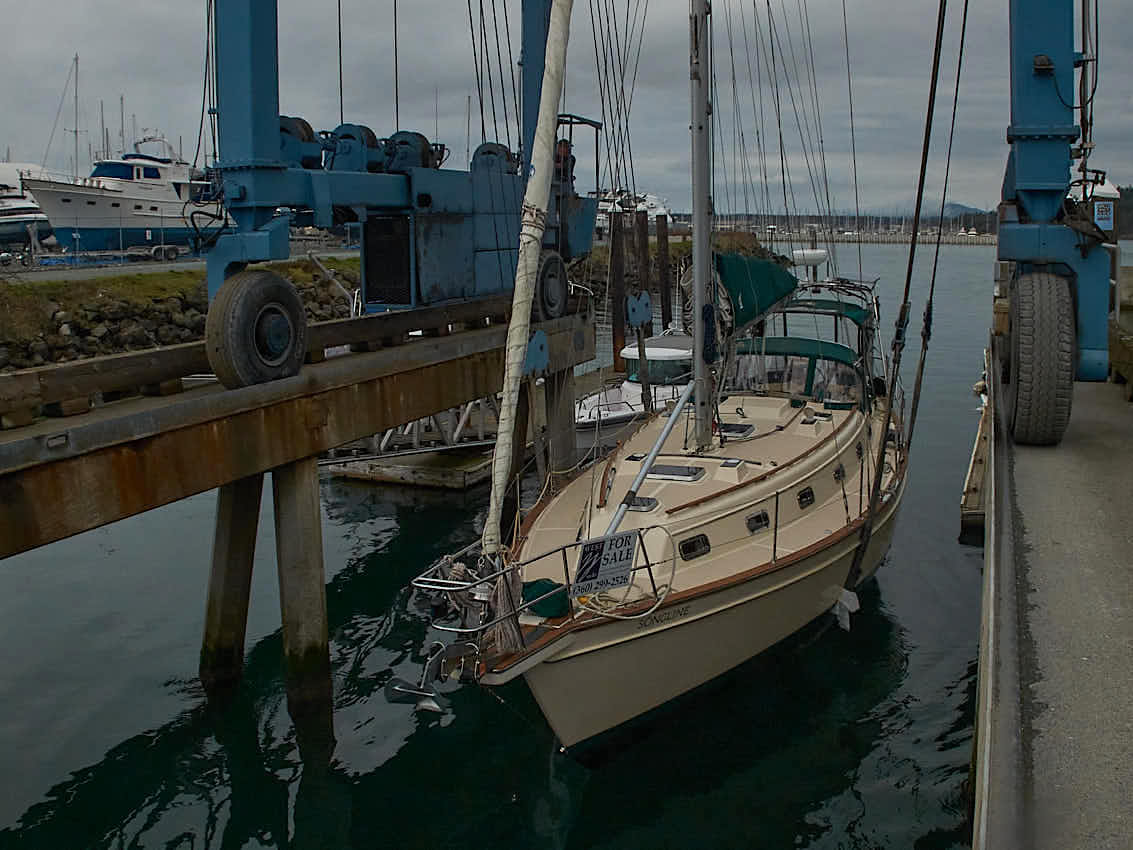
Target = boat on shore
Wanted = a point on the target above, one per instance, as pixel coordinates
(19, 210)
(139, 198)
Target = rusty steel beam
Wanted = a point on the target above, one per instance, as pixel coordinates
(119, 461)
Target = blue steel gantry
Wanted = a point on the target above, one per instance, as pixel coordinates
(1056, 271)
(428, 234)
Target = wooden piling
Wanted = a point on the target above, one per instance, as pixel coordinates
(559, 393)
(664, 272)
(617, 288)
(644, 273)
(302, 586)
(230, 581)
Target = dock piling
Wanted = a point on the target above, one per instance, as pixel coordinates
(664, 273)
(302, 586)
(559, 393)
(618, 288)
(230, 581)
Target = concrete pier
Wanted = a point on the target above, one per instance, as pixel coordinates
(1054, 748)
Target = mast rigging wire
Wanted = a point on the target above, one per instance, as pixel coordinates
(926, 327)
(902, 321)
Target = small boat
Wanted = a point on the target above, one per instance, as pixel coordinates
(136, 199)
(627, 202)
(18, 209)
(669, 356)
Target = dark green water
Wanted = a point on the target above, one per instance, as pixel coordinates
(830, 740)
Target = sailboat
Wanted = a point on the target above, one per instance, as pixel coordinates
(752, 505)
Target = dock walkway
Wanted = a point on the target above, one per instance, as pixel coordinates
(1054, 758)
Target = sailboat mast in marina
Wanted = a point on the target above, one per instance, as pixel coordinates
(721, 524)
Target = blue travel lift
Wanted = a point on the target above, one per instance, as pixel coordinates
(428, 234)
(1054, 272)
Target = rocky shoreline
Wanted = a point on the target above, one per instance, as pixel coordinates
(109, 324)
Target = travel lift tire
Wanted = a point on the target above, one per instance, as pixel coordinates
(1040, 369)
(551, 288)
(255, 329)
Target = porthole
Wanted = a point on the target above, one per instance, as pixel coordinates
(806, 497)
(758, 522)
(694, 547)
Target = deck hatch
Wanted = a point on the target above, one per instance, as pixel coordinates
(694, 547)
(736, 430)
(667, 472)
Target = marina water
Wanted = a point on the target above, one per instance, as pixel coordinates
(829, 740)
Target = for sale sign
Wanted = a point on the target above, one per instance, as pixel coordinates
(604, 563)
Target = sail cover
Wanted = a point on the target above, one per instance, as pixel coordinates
(755, 286)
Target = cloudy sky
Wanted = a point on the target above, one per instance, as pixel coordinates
(152, 53)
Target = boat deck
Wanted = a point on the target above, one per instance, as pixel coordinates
(789, 448)
(1054, 751)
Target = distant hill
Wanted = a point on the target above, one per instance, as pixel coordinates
(953, 209)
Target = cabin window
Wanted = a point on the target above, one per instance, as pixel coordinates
(731, 463)
(151, 173)
(115, 204)
(661, 372)
(758, 522)
(839, 473)
(137, 206)
(806, 497)
(117, 170)
(642, 504)
(153, 209)
(835, 381)
(694, 547)
(665, 472)
(65, 200)
(90, 203)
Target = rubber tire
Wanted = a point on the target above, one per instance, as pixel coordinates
(169, 253)
(230, 329)
(1043, 343)
(551, 288)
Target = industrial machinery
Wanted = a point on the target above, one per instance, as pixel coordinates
(429, 234)
(1052, 281)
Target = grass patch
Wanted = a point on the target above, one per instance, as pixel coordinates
(26, 307)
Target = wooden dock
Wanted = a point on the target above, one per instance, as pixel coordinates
(104, 452)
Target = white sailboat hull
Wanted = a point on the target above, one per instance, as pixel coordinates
(617, 670)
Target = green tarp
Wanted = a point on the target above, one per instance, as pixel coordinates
(756, 286)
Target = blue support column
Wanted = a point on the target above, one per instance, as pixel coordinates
(536, 20)
(247, 72)
(1037, 177)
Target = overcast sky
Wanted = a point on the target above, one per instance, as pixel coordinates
(152, 53)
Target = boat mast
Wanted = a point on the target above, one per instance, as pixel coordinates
(535, 201)
(700, 75)
(76, 116)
